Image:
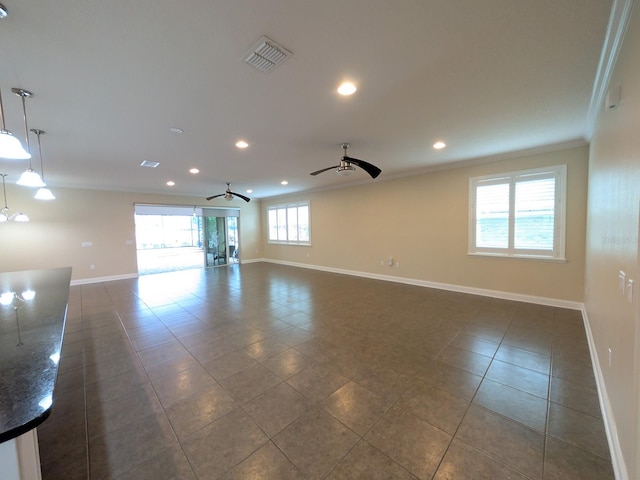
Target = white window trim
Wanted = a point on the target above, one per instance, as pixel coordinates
(559, 242)
(286, 206)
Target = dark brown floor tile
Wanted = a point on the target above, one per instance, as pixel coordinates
(172, 389)
(524, 358)
(529, 381)
(287, 363)
(171, 366)
(410, 441)
(106, 416)
(276, 408)
(200, 409)
(434, 405)
(169, 464)
(576, 396)
(463, 461)
(504, 440)
(581, 373)
(356, 407)
(566, 462)
(475, 344)
(454, 380)
(160, 353)
(367, 462)
(264, 349)
(514, 404)
(315, 443)
(249, 383)
(117, 452)
(229, 364)
(465, 359)
(317, 382)
(266, 463)
(578, 429)
(223, 444)
(384, 382)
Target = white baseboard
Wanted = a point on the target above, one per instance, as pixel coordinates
(86, 281)
(553, 302)
(617, 460)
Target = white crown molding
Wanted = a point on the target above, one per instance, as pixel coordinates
(616, 28)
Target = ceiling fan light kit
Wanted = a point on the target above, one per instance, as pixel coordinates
(346, 166)
(228, 195)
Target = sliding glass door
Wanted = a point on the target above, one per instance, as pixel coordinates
(215, 234)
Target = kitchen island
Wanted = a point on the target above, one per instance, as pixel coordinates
(33, 307)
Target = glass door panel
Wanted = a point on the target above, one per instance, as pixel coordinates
(215, 241)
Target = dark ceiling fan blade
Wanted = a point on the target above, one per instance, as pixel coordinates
(215, 196)
(246, 199)
(366, 166)
(324, 170)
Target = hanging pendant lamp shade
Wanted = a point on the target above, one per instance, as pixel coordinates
(10, 146)
(29, 178)
(43, 193)
(4, 213)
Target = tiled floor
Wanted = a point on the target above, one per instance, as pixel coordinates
(262, 371)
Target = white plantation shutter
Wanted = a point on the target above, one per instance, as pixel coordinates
(535, 214)
(289, 223)
(492, 216)
(518, 214)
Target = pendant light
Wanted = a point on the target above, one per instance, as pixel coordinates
(29, 178)
(4, 213)
(43, 193)
(10, 146)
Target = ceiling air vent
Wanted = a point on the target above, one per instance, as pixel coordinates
(150, 164)
(266, 54)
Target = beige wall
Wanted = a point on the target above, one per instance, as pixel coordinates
(612, 244)
(422, 222)
(57, 229)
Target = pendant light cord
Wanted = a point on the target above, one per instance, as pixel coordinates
(4, 190)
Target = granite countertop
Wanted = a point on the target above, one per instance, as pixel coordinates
(33, 308)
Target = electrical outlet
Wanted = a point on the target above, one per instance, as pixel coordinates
(92, 267)
(382, 263)
(390, 262)
(397, 264)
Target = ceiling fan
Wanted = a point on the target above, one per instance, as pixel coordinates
(228, 195)
(346, 166)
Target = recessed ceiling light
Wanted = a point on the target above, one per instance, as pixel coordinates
(249, 191)
(439, 145)
(194, 170)
(176, 130)
(347, 88)
(171, 183)
(241, 144)
(284, 182)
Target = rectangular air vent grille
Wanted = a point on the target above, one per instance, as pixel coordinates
(147, 163)
(266, 54)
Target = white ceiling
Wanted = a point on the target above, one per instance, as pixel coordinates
(111, 77)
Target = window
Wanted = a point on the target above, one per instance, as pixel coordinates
(289, 224)
(519, 214)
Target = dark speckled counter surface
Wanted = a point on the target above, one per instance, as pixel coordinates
(30, 344)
